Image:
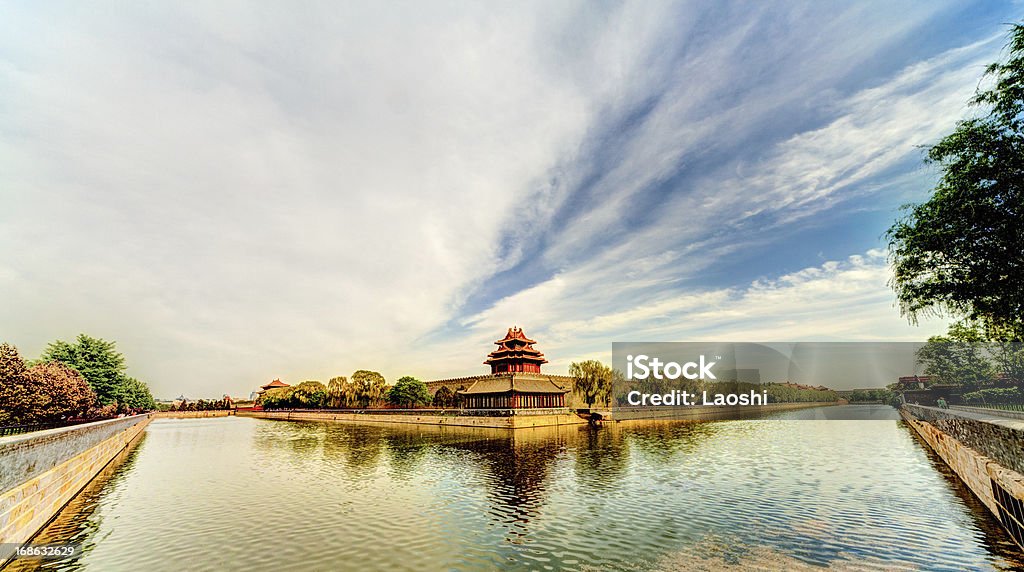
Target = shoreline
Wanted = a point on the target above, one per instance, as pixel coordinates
(513, 422)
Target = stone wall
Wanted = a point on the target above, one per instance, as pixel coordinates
(998, 486)
(995, 436)
(192, 414)
(710, 412)
(41, 471)
(509, 422)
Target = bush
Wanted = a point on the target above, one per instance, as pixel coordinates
(995, 396)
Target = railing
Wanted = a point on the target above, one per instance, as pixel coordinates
(1001, 406)
(30, 427)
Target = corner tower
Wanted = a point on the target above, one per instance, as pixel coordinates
(515, 353)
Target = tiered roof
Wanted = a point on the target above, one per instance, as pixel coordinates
(515, 348)
(273, 384)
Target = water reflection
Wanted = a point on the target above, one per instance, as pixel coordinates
(238, 493)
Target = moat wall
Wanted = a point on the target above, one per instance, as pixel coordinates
(41, 471)
(192, 414)
(985, 451)
(510, 422)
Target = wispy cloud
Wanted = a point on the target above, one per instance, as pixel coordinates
(236, 194)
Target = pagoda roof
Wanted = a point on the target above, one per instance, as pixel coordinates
(515, 347)
(275, 383)
(515, 333)
(518, 382)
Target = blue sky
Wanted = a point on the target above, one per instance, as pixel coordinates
(237, 193)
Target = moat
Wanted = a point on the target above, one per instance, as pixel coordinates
(781, 492)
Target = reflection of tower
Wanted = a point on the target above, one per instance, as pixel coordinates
(517, 471)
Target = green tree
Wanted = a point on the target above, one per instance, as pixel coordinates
(1010, 359)
(962, 252)
(97, 360)
(959, 358)
(309, 394)
(134, 396)
(104, 368)
(370, 387)
(276, 398)
(338, 392)
(592, 381)
(408, 392)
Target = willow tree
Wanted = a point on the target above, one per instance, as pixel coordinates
(592, 381)
(961, 252)
(370, 387)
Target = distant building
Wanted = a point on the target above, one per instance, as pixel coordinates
(272, 385)
(910, 382)
(515, 381)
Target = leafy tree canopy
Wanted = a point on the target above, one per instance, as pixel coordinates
(370, 387)
(959, 358)
(44, 392)
(962, 252)
(593, 381)
(103, 367)
(409, 392)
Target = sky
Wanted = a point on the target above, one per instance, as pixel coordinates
(240, 192)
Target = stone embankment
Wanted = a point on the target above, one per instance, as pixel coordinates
(986, 451)
(41, 471)
(494, 422)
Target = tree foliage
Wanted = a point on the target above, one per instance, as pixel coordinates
(962, 252)
(370, 388)
(959, 358)
(444, 397)
(340, 393)
(44, 392)
(409, 392)
(306, 395)
(104, 368)
(592, 381)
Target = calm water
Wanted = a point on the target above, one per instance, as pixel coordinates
(241, 494)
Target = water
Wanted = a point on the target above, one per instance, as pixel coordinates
(242, 494)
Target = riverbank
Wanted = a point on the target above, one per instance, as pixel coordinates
(526, 419)
(492, 422)
(40, 472)
(710, 412)
(192, 414)
(985, 451)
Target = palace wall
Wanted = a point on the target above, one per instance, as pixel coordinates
(41, 471)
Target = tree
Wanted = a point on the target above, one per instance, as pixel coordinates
(45, 392)
(962, 252)
(97, 360)
(370, 387)
(134, 396)
(443, 397)
(338, 392)
(1009, 357)
(593, 381)
(959, 358)
(409, 392)
(309, 395)
(276, 398)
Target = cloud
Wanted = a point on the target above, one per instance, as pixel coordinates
(845, 300)
(236, 194)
